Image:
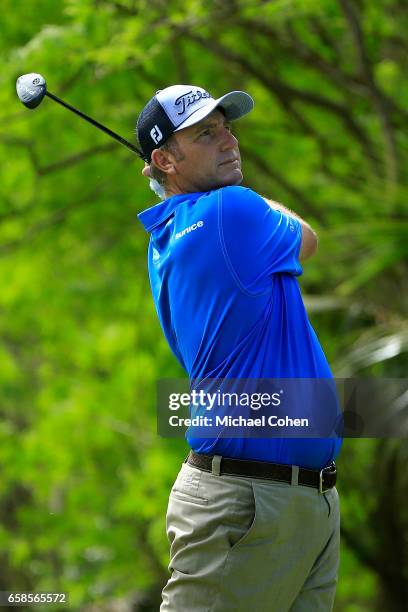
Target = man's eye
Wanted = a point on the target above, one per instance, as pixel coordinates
(205, 132)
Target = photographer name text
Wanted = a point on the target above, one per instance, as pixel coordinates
(239, 421)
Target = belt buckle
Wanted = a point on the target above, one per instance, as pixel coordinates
(321, 482)
(328, 467)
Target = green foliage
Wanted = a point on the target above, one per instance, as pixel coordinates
(85, 478)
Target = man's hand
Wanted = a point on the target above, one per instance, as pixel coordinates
(309, 237)
(153, 184)
(146, 170)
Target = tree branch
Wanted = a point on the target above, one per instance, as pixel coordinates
(307, 207)
(180, 62)
(315, 61)
(330, 43)
(380, 101)
(361, 552)
(55, 218)
(287, 93)
(67, 162)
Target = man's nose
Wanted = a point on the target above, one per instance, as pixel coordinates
(228, 140)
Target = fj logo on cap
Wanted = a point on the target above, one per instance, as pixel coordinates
(156, 134)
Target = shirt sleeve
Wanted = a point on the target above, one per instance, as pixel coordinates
(257, 240)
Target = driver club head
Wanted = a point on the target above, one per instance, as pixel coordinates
(31, 89)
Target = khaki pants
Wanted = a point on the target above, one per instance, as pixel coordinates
(241, 544)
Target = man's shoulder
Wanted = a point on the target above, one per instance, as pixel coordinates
(235, 191)
(237, 194)
(230, 198)
(241, 204)
(234, 204)
(228, 192)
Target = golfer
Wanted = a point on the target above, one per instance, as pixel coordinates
(253, 523)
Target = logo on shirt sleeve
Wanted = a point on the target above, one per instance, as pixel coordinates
(190, 228)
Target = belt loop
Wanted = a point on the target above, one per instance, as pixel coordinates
(216, 465)
(295, 475)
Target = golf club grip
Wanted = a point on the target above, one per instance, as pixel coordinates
(123, 141)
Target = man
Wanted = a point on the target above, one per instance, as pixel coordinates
(253, 523)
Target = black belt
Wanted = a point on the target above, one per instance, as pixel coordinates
(322, 480)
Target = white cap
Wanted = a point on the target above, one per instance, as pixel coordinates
(179, 106)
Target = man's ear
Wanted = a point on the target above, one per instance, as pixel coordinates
(164, 161)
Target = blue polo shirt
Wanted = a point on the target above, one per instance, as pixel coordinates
(223, 270)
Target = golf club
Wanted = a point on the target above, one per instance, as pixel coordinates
(31, 89)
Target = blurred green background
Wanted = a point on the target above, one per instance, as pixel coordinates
(85, 478)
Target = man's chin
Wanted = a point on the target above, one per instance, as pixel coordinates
(232, 180)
